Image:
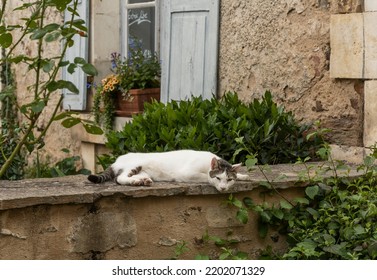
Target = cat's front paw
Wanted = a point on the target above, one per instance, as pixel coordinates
(142, 182)
(147, 181)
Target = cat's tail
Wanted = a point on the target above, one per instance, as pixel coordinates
(107, 175)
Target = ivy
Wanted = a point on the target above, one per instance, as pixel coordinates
(337, 218)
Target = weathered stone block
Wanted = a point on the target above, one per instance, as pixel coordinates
(347, 50)
(351, 154)
(370, 42)
(349, 6)
(103, 231)
(370, 5)
(370, 109)
(222, 217)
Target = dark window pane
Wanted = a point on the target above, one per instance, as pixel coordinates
(141, 28)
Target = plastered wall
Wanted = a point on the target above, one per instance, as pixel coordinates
(284, 47)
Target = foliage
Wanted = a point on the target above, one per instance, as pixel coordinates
(337, 218)
(137, 71)
(226, 249)
(65, 167)
(224, 127)
(36, 31)
(180, 249)
(9, 126)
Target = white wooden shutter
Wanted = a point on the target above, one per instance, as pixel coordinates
(189, 48)
(71, 100)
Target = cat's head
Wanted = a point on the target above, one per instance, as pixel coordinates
(222, 174)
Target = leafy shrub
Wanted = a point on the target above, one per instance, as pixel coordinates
(9, 126)
(65, 167)
(336, 220)
(215, 125)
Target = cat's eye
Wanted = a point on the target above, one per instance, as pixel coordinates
(218, 178)
(229, 180)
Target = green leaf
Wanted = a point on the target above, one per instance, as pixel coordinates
(89, 69)
(278, 213)
(56, 172)
(218, 241)
(312, 191)
(301, 200)
(201, 257)
(62, 116)
(323, 153)
(55, 85)
(237, 203)
(236, 153)
(70, 122)
(265, 216)
(79, 60)
(48, 66)
(313, 212)
(224, 256)
(336, 249)
(249, 203)
(51, 27)
(359, 229)
(243, 215)
(265, 184)
(6, 40)
(262, 229)
(71, 68)
(37, 106)
(61, 5)
(38, 34)
(51, 37)
(93, 129)
(285, 205)
(251, 162)
(65, 150)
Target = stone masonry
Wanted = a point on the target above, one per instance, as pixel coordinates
(70, 218)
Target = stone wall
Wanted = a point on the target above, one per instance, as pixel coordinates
(70, 218)
(284, 47)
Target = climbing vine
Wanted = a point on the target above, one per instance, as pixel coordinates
(9, 125)
(37, 31)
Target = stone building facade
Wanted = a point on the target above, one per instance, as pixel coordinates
(286, 46)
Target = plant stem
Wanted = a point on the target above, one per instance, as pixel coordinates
(43, 133)
(4, 4)
(275, 190)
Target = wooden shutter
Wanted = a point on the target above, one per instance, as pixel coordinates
(71, 100)
(189, 48)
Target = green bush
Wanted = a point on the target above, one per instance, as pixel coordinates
(223, 126)
(64, 167)
(337, 218)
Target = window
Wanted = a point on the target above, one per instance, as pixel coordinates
(140, 25)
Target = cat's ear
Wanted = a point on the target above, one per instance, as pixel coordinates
(236, 167)
(214, 163)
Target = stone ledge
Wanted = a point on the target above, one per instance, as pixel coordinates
(76, 189)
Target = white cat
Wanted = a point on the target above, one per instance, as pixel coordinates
(142, 169)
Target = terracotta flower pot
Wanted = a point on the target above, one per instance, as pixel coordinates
(126, 108)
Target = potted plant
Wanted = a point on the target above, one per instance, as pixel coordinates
(134, 81)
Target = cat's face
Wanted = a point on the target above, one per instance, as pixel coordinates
(222, 174)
